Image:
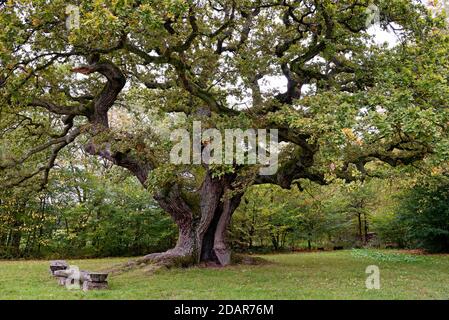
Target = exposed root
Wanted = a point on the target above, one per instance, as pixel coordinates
(178, 259)
(170, 259)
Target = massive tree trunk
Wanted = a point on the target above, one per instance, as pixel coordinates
(202, 234)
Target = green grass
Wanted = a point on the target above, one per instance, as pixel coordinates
(325, 275)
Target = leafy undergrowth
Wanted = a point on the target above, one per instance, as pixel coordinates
(323, 275)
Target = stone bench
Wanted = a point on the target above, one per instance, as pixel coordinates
(56, 265)
(88, 280)
(97, 281)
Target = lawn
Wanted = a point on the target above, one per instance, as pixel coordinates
(324, 275)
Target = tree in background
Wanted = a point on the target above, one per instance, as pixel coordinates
(424, 214)
(317, 215)
(361, 201)
(22, 221)
(263, 218)
(88, 210)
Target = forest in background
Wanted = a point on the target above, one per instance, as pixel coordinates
(92, 209)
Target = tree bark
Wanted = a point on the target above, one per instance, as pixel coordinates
(359, 220)
(220, 248)
(202, 235)
(365, 222)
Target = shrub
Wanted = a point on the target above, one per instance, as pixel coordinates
(424, 213)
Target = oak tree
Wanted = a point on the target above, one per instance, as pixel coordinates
(343, 105)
